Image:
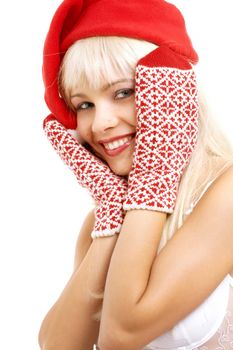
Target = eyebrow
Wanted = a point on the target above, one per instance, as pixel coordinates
(105, 87)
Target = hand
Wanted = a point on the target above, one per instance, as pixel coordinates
(167, 129)
(107, 189)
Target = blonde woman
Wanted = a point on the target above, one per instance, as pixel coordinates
(154, 264)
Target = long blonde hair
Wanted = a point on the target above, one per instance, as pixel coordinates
(91, 61)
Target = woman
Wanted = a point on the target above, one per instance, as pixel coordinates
(156, 253)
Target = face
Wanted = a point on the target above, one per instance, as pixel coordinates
(107, 122)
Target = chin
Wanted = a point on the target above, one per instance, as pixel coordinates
(121, 169)
(121, 172)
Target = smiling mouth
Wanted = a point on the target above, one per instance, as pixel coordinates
(117, 144)
(117, 147)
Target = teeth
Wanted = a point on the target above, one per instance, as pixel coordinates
(118, 143)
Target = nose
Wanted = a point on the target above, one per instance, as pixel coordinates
(105, 118)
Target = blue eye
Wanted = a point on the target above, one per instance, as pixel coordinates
(84, 105)
(124, 93)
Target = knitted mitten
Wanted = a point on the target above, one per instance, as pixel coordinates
(167, 129)
(107, 189)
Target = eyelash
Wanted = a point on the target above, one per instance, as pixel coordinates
(129, 93)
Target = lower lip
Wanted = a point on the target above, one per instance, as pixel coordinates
(118, 150)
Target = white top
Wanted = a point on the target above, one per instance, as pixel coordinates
(203, 322)
(200, 325)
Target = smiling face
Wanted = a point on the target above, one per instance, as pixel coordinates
(107, 121)
(97, 80)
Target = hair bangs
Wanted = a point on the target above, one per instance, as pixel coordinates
(96, 61)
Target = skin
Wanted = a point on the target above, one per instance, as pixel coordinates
(107, 113)
(68, 325)
(94, 124)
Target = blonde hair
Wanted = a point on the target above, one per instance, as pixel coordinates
(90, 61)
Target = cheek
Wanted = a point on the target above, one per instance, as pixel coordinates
(83, 128)
(132, 118)
(130, 113)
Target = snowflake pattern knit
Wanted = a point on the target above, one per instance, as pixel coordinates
(108, 189)
(167, 128)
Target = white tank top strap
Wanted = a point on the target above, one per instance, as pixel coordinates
(190, 209)
(230, 280)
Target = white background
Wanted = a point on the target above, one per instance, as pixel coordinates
(42, 206)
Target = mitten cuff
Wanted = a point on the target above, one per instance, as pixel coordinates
(164, 57)
(105, 233)
(153, 193)
(109, 218)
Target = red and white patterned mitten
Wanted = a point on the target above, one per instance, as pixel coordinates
(107, 189)
(167, 129)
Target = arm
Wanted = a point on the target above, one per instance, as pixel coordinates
(84, 239)
(185, 272)
(69, 323)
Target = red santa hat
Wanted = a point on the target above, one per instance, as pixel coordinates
(156, 21)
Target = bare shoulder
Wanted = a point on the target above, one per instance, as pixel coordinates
(218, 199)
(216, 209)
(201, 248)
(206, 236)
(223, 188)
(225, 179)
